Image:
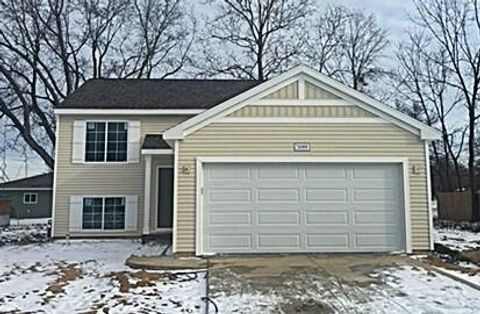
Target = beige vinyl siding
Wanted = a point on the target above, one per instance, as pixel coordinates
(352, 140)
(314, 92)
(301, 112)
(288, 92)
(101, 179)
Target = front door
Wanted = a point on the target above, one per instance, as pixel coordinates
(165, 198)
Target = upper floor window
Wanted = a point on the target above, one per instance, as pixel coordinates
(106, 141)
(30, 198)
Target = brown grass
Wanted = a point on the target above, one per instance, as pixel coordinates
(65, 275)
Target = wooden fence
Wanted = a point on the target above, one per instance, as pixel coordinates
(454, 206)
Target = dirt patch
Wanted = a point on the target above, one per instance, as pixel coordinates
(65, 275)
(128, 280)
(437, 261)
(472, 256)
(309, 306)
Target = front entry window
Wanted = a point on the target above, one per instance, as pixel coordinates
(165, 198)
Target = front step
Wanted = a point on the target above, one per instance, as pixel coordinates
(162, 238)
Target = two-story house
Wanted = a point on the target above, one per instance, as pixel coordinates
(298, 163)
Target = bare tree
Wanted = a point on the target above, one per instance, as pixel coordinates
(253, 38)
(48, 48)
(423, 93)
(454, 26)
(348, 45)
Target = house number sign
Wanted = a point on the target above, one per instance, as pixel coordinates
(301, 147)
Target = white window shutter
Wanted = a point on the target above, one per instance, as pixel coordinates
(131, 212)
(78, 141)
(76, 213)
(133, 147)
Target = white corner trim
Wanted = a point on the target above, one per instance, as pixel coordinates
(175, 197)
(301, 103)
(300, 120)
(55, 169)
(406, 206)
(163, 151)
(199, 249)
(340, 90)
(127, 111)
(147, 194)
(429, 195)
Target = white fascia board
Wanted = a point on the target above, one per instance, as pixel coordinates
(129, 111)
(303, 72)
(164, 151)
(426, 132)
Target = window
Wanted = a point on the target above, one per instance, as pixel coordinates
(107, 213)
(106, 141)
(30, 198)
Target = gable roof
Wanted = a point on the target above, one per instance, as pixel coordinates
(154, 141)
(303, 72)
(40, 181)
(154, 93)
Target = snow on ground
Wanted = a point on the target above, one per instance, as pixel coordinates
(406, 289)
(460, 240)
(84, 276)
(24, 234)
(411, 288)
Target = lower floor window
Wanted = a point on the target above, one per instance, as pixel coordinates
(103, 213)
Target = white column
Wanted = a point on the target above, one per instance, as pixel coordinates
(146, 205)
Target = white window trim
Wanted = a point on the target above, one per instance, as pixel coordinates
(105, 144)
(199, 249)
(30, 193)
(103, 197)
(156, 228)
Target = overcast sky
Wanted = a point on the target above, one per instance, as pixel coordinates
(392, 16)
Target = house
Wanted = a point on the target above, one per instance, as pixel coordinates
(298, 163)
(30, 197)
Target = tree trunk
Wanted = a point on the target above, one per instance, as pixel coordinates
(471, 167)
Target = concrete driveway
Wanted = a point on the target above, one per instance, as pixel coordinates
(337, 283)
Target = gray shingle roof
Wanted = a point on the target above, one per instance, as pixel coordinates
(39, 181)
(154, 141)
(154, 93)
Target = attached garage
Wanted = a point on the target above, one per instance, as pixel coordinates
(295, 207)
(301, 164)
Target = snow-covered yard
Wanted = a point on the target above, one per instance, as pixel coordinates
(458, 253)
(83, 276)
(91, 276)
(456, 239)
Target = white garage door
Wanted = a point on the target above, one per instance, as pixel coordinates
(309, 207)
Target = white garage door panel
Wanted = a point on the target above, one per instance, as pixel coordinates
(261, 208)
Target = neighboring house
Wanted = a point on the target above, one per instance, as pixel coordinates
(299, 163)
(31, 197)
